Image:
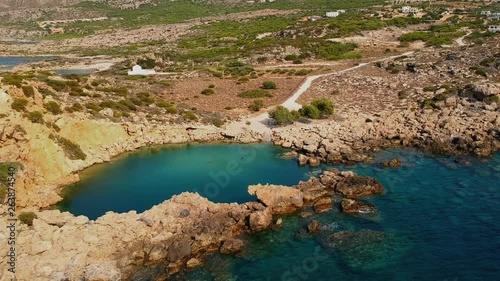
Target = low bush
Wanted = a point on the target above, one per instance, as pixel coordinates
(71, 149)
(190, 116)
(19, 104)
(53, 107)
(269, 85)
(13, 79)
(207, 92)
(284, 116)
(27, 217)
(256, 105)
(35, 117)
(28, 91)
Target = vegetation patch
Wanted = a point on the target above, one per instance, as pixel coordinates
(19, 104)
(35, 117)
(53, 107)
(71, 149)
(27, 217)
(256, 105)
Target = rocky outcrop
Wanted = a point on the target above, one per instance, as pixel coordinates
(354, 186)
(356, 206)
(280, 199)
(314, 227)
(260, 220)
(459, 128)
(111, 247)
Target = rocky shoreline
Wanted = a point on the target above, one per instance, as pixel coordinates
(461, 126)
(179, 231)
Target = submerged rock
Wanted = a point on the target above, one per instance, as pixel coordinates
(366, 249)
(280, 199)
(314, 227)
(393, 163)
(231, 246)
(356, 206)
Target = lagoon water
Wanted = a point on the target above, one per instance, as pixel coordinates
(439, 219)
(140, 180)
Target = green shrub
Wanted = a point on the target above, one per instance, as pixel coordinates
(310, 111)
(172, 109)
(136, 101)
(13, 79)
(211, 86)
(269, 85)
(163, 104)
(27, 217)
(71, 149)
(190, 116)
(292, 57)
(128, 104)
(283, 116)
(228, 107)
(93, 106)
(19, 104)
(29, 91)
(255, 94)
(57, 85)
(53, 107)
(35, 117)
(256, 105)
(244, 79)
(46, 92)
(4, 175)
(208, 92)
(217, 122)
(146, 63)
(297, 61)
(402, 94)
(145, 98)
(325, 106)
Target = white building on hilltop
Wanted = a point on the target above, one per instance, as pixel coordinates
(137, 70)
(494, 28)
(405, 9)
(332, 14)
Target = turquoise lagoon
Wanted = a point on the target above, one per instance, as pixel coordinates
(438, 220)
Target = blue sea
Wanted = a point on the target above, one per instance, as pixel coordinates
(437, 220)
(7, 63)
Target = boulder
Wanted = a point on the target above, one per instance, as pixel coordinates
(323, 205)
(302, 159)
(231, 246)
(260, 220)
(279, 198)
(192, 263)
(356, 186)
(356, 206)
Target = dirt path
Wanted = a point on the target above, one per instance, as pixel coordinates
(262, 124)
(460, 41)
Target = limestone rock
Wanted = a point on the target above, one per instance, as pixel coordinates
(356, 206)
(102, 272)
(323, 205)
(280, 199)
(314, 227)
(231, 246)
(193, 263)
(393, 163)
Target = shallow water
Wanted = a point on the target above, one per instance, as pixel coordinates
(437, 220)
(220, 172)
(440, 221)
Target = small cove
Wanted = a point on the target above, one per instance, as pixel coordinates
(8, 63)
(439, 218)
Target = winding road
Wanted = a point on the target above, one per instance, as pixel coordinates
(261, 123)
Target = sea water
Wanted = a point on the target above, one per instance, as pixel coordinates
(437, 220)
